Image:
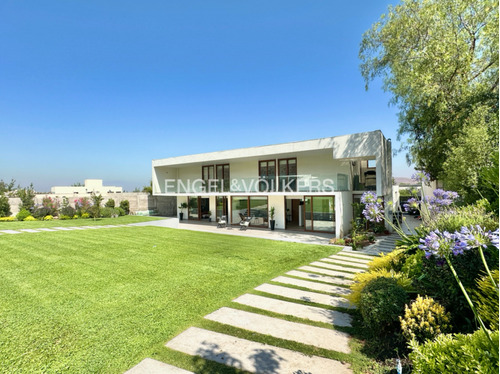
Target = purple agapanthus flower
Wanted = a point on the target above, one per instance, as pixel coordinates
(373, 212)
(422, 177)
(369, 197)
(411, 204)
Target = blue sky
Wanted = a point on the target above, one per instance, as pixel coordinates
(97, 89)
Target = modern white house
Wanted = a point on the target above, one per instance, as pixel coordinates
(90, 185)
(310, 184)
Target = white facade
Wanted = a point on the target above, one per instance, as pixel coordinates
(91, 185)
(311, 184)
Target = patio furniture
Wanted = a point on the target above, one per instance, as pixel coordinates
(245, 223)
(222, 222)
(242, 217)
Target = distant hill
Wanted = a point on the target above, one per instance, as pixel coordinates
(405, 181)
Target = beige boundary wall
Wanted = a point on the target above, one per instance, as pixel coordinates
(139, 201)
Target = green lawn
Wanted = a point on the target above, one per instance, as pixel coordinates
(102, 300)
(15, 225)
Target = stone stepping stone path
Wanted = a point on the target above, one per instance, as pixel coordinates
(312, 297)
(311, 335)
(327, 272)
(60, 228)
(347, 263)
(312, 313)
(150, 366)
(336, 267)
(313, 285)
(322, 282)
(251, 356)
(11, 232)
(320, 278)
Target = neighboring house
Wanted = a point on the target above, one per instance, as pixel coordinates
(311, 184)
(91, 185)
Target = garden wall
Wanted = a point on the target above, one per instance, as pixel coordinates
(139, 201)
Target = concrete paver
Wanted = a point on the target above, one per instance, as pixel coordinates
(355, 255)
(29, 230)
(343, 262)
(310, 335)
(315, 286)
(312, 297)
(288, 308)
(251, 356)
(334, 273)
(150, 366)
(10, 232)
(349, 259)
(320, 278)
(336, 267)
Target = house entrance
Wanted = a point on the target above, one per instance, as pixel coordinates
(198, 208)
(294, 214)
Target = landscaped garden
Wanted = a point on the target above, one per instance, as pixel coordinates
(102, 300)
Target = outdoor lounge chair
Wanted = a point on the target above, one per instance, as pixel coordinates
(222, 222)
(242, 217)
(245, 223)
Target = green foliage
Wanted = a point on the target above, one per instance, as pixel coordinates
(424, 319)
(382, 302)
(7, 219)
(65, 217)
(23, 213)
(4, 206)
(437, 280)
(96, 205)
(85, 215)
(41, 211)
(121, 212)
(27, 196)
(110, 203)
(30, 218)
(83, 206)
(458, 353)
(108, 212)
(68, 210)
(48, 218)
(439, 59)
(51, 204)
(475, 214)
(361, 280)
(125, 205)
(387, 261)
(6, 187)
(485, 297)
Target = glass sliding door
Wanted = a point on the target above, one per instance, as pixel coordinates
(258, 210)
(320, 213)
(221, 206)
(239, 207)
(223, 178)
(193, 207)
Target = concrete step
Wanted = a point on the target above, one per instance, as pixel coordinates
(313, 285)
(288, 308)
(334, 273)
(336, 267)
(150, 366)
(350, 259)
(355, 255)
(312, 297)
(251, 356)
(320, 278)
(297, 332)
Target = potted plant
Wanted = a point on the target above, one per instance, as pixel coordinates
(271, 216)
(181, 208)
(209, 214)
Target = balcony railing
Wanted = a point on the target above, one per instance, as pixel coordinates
(305, 183)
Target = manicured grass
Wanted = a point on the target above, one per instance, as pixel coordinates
(102, 300)
(15, 225)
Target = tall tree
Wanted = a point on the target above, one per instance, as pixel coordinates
(439, 59)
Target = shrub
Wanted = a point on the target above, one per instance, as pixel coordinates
(51, 204)
(4, 206)
(76, 216)
(7, 219)
(436, 279)
(125, 205)
(120, 211)
(68, 210)
(30, 218)
(110, 203)
(41, 211)
(64, 217)
(109, 212)
(424, 319)
(27, 196)
(361, 280)
(486, 299)
(382, 302)
(96, 205)
(82, 206)
(469, 215)
(458, 353)
(386, 262)
(23, 213)
(85, 215)
(48, 218)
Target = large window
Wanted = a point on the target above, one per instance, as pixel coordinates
(223, 178)
(287, 169)
(207, 174)
(320, 213)
(267, 176)
(250, 206)
(198, 207)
